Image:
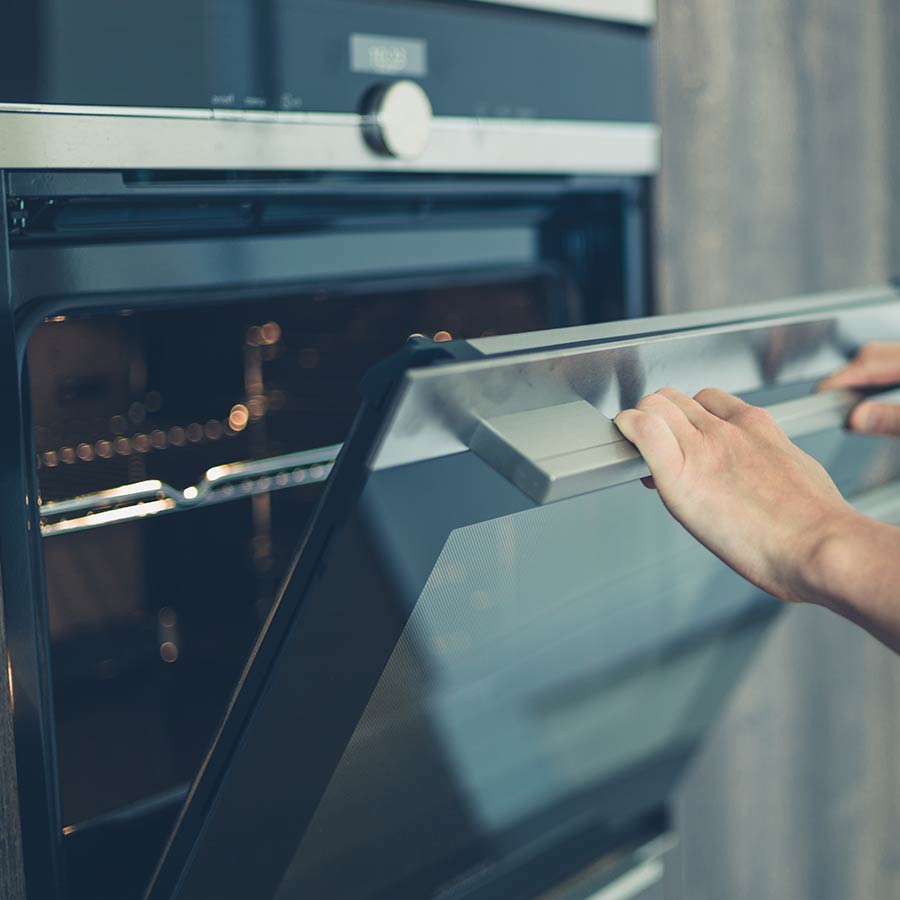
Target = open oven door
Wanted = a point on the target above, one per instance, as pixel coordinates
(495, 652)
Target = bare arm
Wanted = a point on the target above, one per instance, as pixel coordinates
(727, 472)
(857, 574)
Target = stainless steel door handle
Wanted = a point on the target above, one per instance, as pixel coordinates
(561, 451)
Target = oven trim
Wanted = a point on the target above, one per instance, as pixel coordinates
(49, 136)
(27, 630)
(634, 12)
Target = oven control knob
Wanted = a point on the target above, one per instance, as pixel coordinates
(397, 119)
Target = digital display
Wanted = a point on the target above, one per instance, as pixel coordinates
(379, 55)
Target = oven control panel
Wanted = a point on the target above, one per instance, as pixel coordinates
(512, 85)
(323, 56)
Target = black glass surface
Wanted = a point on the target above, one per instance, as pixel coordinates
(456, 685)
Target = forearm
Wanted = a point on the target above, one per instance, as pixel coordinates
(730, 475)
(855, 571)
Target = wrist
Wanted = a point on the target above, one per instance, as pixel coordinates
(829, 568)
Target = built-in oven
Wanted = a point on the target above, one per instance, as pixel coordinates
(188, 392)
(219, 215)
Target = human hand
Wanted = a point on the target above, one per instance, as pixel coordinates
(728, 473)
(875, 365)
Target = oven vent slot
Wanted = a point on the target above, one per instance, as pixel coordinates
(39, 218)
(220, 484)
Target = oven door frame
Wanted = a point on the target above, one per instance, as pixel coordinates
(40, 281)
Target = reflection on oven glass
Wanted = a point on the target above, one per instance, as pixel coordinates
(152, 615)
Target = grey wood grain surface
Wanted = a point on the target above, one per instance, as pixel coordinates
(780, 176)
(12, 885)
(779, 122)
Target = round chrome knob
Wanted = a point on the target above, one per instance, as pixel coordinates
(397, 119)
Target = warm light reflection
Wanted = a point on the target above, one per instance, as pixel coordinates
(213, 429)
(109, 517)
(238, 417)
(270, 333)
(9, 678)
(264, 335)
(216, 472)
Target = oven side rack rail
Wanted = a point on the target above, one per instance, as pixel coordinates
(219, 484)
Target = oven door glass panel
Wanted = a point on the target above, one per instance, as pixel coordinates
(535, 683)
(556, 660)
(152, 615)
(457, 685)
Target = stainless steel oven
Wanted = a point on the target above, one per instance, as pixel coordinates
(219, 215)
(187, 392)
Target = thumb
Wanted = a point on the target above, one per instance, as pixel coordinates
(875, 418)
(876, 363)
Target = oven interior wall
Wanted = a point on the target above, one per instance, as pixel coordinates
(151, 620)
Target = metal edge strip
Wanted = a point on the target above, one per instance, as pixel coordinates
(556, 373)
(679, 326)
(635, 12)
(96, 137)
(802, 305)
(632, 883)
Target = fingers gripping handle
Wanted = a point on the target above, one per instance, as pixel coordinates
(821, 412)
(561, 451)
